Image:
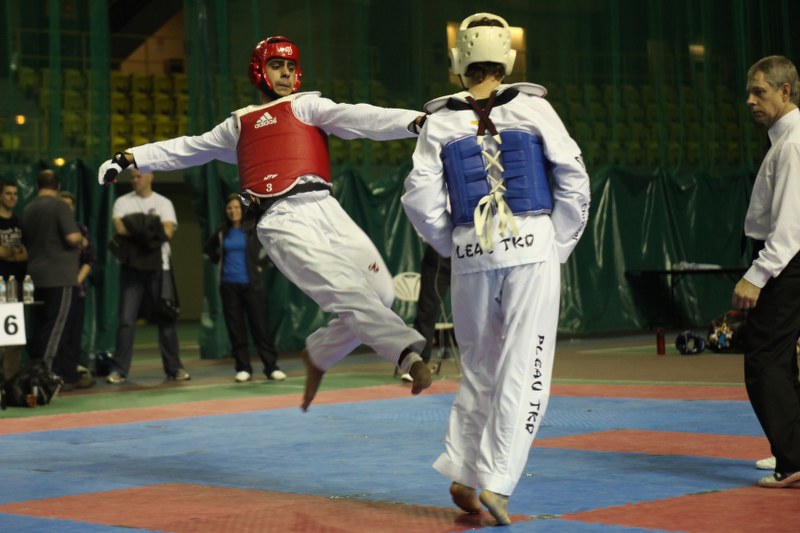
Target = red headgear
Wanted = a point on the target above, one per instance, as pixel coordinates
(264, 51)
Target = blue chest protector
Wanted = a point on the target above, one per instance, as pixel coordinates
(524, 174)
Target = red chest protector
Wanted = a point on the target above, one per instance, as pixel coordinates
(275, 149)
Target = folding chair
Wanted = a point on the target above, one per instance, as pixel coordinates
(406, 289)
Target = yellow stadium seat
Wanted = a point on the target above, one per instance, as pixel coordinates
(28, 80)
(73, 80)
(141, 83)
(592, 93)
(572, 92)
(120, 102)
(598, 112)
(337, 149)
(73, 100)
(141, 103)
(182, 122)
(181, 104)
(163, 104)
(138, 126)
(631, 94)
(634, 155)
(162, 83)
(73, 126)
(119, 82)
(180, 83)
(44, 98)
(648, 93)
(11, 142)
(163, 127)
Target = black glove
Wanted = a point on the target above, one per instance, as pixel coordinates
(110, 169)
(416, 126)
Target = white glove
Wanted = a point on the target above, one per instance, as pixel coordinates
(110, 169)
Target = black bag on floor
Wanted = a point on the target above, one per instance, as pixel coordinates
(33, 385)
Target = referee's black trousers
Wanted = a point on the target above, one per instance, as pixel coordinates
(770, 365)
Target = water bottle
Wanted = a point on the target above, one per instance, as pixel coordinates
(27, 290)
(2, 290)
(11, 289)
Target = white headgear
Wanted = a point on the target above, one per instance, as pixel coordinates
(482, 43)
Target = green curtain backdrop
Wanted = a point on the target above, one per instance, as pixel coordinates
(652, 91)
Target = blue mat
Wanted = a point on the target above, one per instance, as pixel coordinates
(377, 451)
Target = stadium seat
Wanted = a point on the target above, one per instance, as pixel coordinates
(73, 80)
(119, 82)
(73, 127)
(141, 83)
(162, 84)
(73, 100)
(120, 102)
(163, 104)
(164, 127)
(631, 94)
(141, 103)
(181, 125)
(28, 80)
(598, 112)
(180, 83)
(592, 93)
(181, 104)
(139, 126)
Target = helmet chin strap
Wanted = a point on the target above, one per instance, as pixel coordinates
(269, 93)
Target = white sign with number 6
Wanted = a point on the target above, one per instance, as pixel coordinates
(12, 324)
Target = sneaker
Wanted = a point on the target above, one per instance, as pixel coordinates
(779, 480)
(115, 378)
(180, 375)
(276, 375)
(86, 381)
(243, 376)
(407, 378)
(766, 464)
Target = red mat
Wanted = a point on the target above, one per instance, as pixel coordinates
(380, 392)
(195, 508)
(750, 510)
(655, 392)
(664, 443)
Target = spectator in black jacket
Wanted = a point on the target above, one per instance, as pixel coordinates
(236, 252)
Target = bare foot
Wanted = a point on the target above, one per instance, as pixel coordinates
(421, 373)
(497, 505)
(465, 498)
(313, 379)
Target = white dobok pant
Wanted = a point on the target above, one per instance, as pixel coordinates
(319, 248)
(505, 323)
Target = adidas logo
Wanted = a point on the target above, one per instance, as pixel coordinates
(265, 120)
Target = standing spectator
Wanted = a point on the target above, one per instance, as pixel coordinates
(281, 150)
(770, 288)
(53, 240)
(13, 257)
(144, 223)
(236, 251)
(508, 233)
(85, 263)
(434, 282)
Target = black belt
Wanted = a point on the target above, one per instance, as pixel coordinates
(258, 205)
